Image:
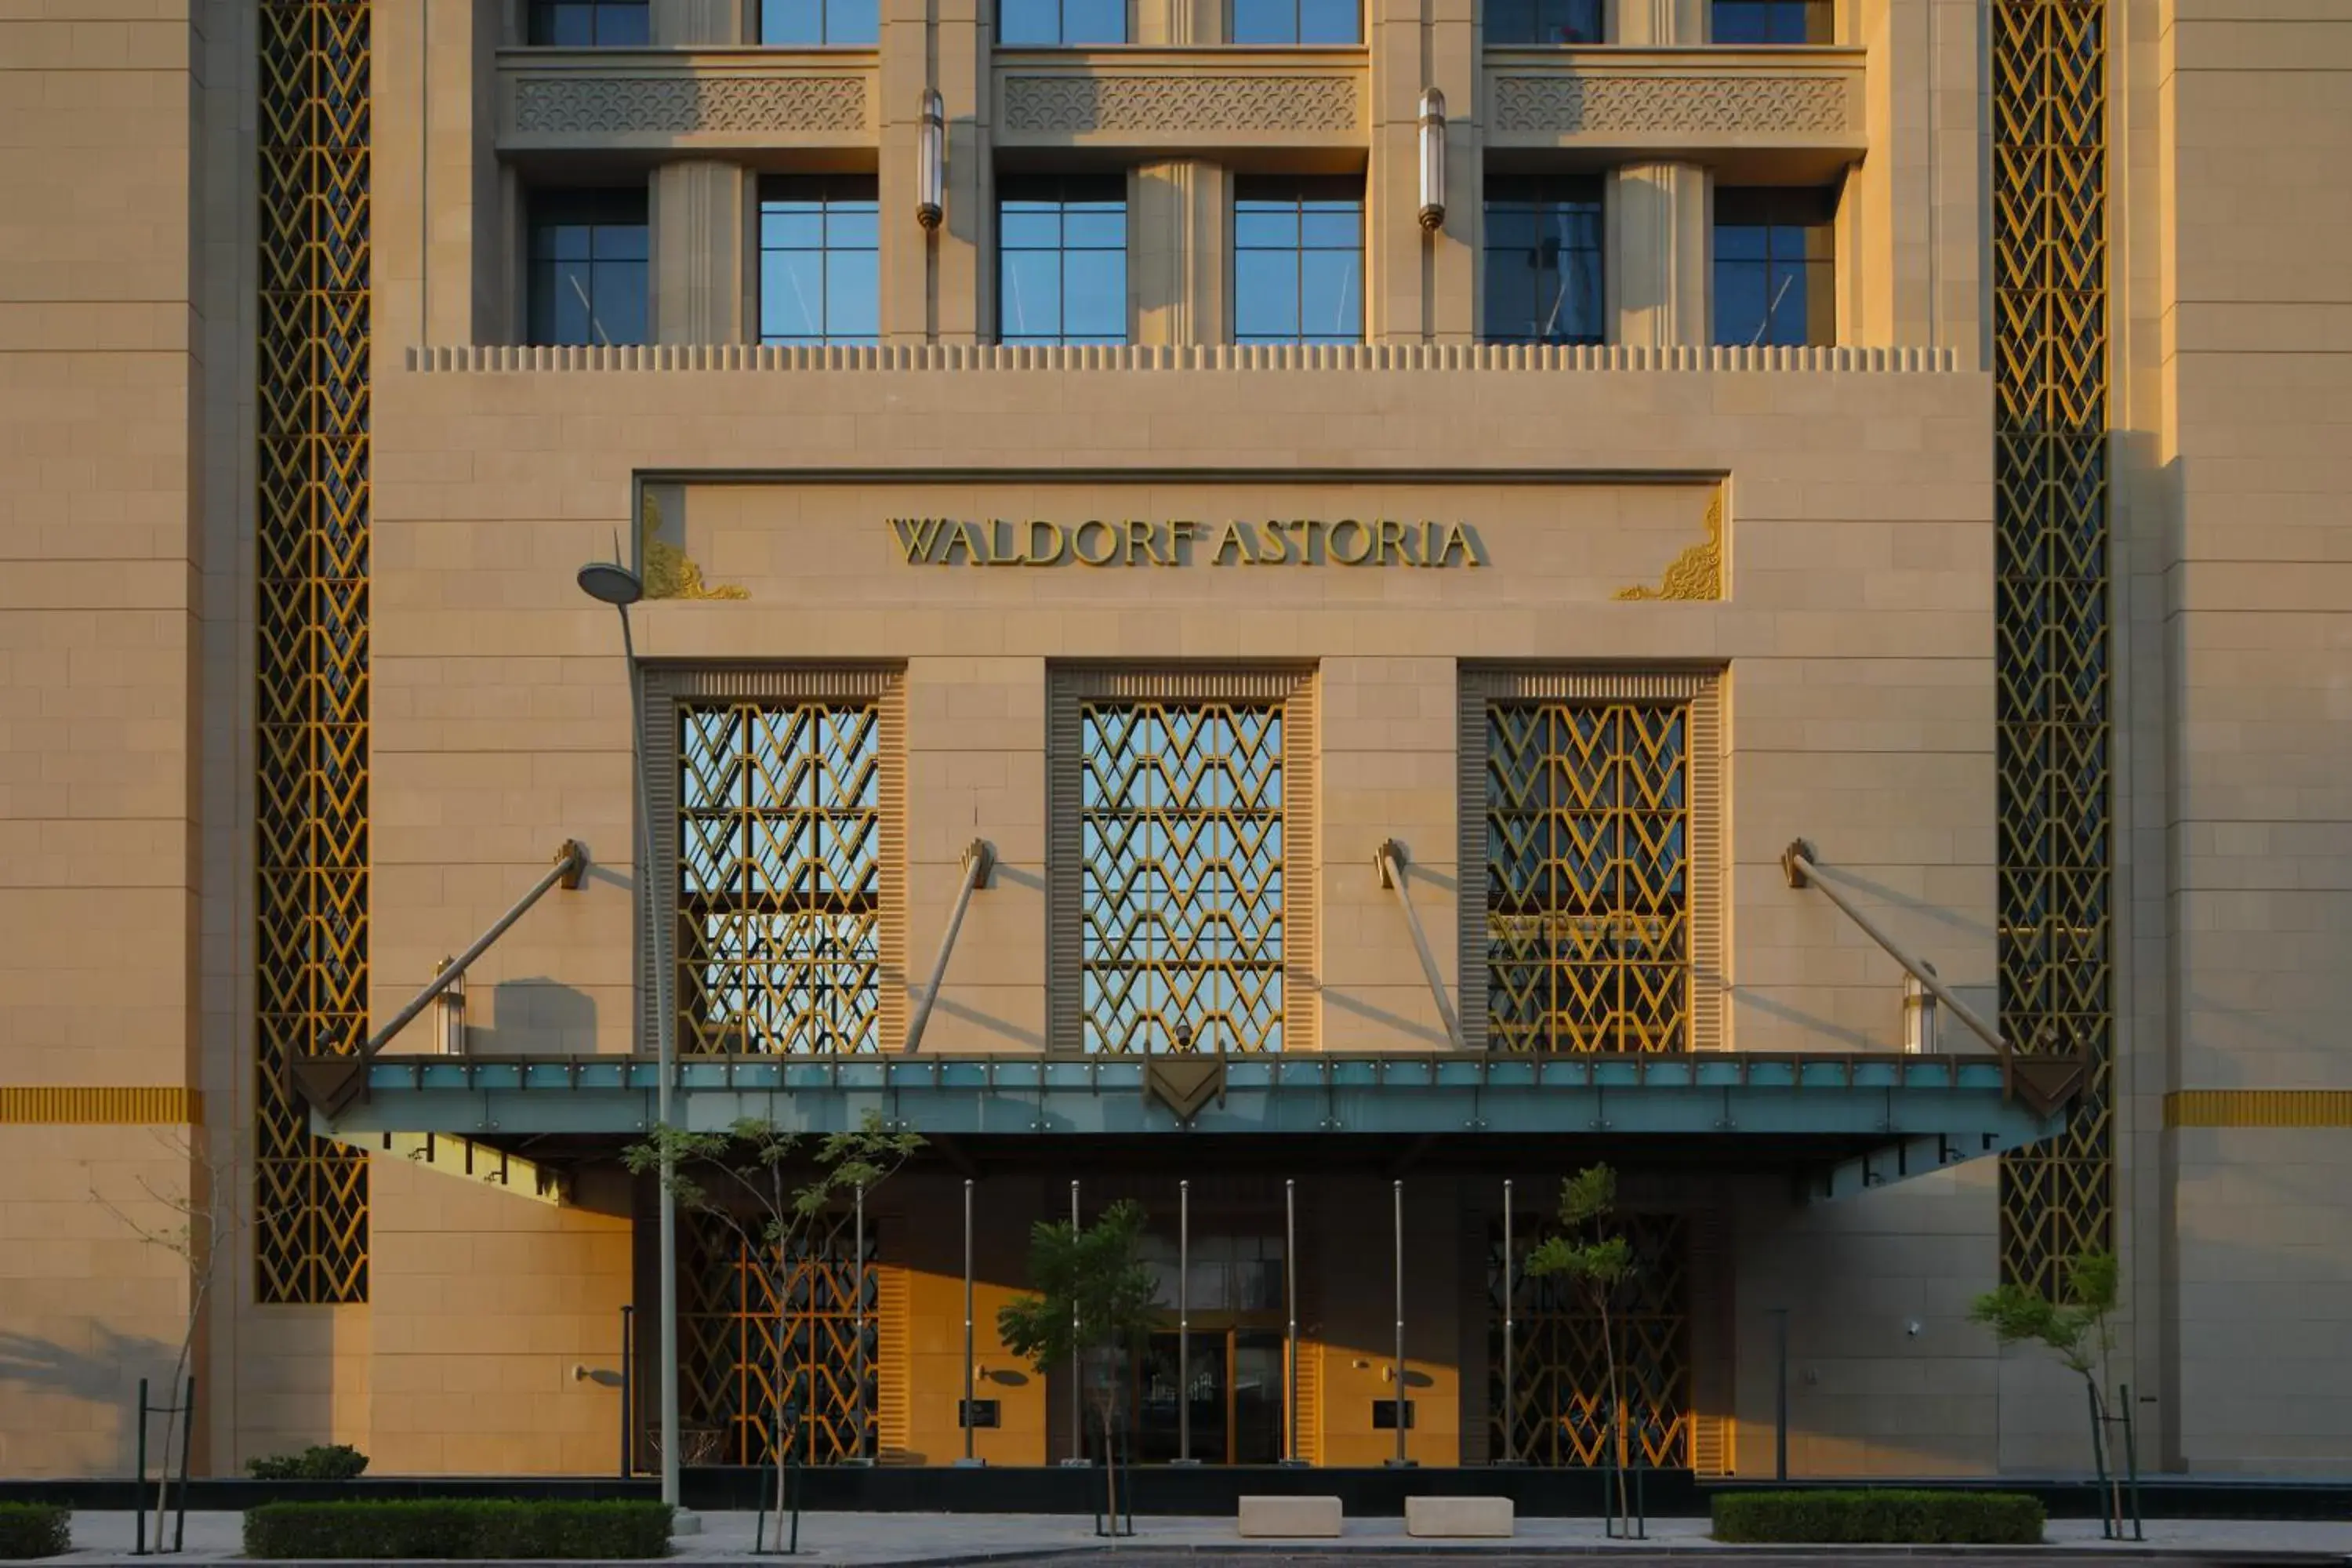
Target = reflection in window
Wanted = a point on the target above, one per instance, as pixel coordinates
(1180, 833)
(591, 24)
(587, 275)
(1298, 261)
(1544, 22)
(1062, 259)
(1588, 876)
(1775, 268)
(820, 262)
(1298, 22)
(1544, 260)
(1770, 22)
(1053, 24)
(779, 877)
(1229, 1273)
(815, 24)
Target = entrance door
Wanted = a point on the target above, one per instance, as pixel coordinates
(1256, 1425)
(1235, 1393)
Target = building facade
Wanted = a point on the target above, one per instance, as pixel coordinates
(1312, 615)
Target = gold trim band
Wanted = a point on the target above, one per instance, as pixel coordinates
(112, 1106)
(2258, 1107)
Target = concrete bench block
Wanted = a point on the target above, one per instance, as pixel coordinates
(1289, 1516)
(1489, 1516)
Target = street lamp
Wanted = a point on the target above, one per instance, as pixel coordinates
(609, 582)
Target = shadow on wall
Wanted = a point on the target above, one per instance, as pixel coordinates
(107, 1375)
(535, 1017)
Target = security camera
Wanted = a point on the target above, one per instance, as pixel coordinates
(1911, 1328)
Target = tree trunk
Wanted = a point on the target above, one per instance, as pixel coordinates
(1616, 1433)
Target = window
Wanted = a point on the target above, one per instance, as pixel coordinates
(820, 261)
(1588, 876)
(1772, 22)
(812, 24)
(1298, 22)
(591, 24)
(1052, 24)
(588, 277)
(1298, 261)
(1062, 259)
(1775, 268)
(779, 877)
(1544, 22)
(1544, 261)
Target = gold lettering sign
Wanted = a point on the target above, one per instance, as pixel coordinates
(1177, 541)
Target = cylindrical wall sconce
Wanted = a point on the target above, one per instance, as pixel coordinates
(931, 169)
(1433, 159)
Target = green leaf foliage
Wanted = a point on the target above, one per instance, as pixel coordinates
(2075, 1328)
(319, 1462)
(1879, 1517)
(1093, 1273)
(35, 1530)
(477, 1529)
(1585, 1250)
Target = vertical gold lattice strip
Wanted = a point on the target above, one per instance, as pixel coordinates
(311, 633)
(2049, 363)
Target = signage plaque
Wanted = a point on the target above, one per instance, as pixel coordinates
(1182, 542)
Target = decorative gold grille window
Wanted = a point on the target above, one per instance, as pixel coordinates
(777, 794)
(1176, 817)
(1594, 811)
(747, 1327)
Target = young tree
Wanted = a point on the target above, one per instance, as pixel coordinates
(2077, 1329)
(196, 1222)
(782, 1199)
(1591, 1253)
(1095, 1300)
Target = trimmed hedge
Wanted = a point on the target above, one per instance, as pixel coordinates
(477, 1529)
(319, 1462)
(35, 1530)
(1853, 1518)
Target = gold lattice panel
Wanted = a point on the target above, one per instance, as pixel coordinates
(312, 634)
(779, 868)
(736, 1349)
(1555, 1410)
(2049, 363)
(1588, 876)
(1181, 891)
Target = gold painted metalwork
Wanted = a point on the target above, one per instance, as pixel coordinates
(1557, 1414)
(2050, 368)
(670, 573)
(2258, 1107)
(1588, 876)
(1182, 899)
(113, 1105)
(736, 1348)
(311, 1197)
(779, 868)
(1696, 573)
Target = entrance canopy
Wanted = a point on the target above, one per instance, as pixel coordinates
(1843, 1123)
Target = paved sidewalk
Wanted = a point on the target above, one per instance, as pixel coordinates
(872, 1540)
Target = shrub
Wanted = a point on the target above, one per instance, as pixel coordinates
(479, 1529)
(1924, 1518)
(35, 1530)
(315, 1463)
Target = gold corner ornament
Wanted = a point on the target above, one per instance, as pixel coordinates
(670, 573)
(1697, 572)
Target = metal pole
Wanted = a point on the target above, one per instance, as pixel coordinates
(1290, 1304)
(1780, 1396)
(1510, 1303)
(628, 1389)
(1397, 1202)
(139, 1491)
(188, 1441)
(1184, 1320)
(969, 1388)
(860, 1242)
(1077, 1411)
(666, 1265)
(570, 861)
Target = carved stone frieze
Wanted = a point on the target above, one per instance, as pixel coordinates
(686, 105)
(1070, 105)
(1682, 104)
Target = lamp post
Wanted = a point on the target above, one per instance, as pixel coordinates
(609, 582)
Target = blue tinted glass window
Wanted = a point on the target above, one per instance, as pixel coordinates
(1775, 268)
(1770, 22)
(1057, 24)
(591, 24)
(588, 280)
(817, 24)
(1544, 22)
(1061, 247)
(1298, 22)
(1544, 261)
(1298, 261)
(820, 261)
